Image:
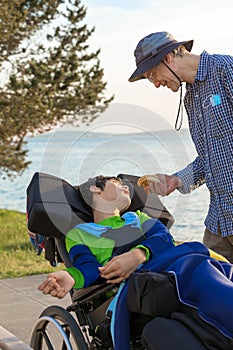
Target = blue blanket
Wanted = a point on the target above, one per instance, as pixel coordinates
(202, 282)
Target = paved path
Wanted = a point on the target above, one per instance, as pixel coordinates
(21, 304)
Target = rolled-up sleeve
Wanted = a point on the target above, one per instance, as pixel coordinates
(192, 176)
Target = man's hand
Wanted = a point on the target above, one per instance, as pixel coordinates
(166, 184)
(122, 266)
(57, 284)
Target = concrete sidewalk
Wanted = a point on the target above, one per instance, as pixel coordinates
(21, 303)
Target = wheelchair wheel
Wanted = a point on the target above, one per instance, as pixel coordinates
(57, 329)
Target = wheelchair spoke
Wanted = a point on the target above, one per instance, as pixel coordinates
(47, 340)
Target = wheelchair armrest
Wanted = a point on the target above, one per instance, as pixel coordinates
(88, 293)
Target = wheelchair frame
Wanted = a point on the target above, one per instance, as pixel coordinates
(76, 332)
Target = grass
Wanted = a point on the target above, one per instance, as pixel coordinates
(17, 256)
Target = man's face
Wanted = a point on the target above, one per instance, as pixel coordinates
(161, 76)
(116, 193)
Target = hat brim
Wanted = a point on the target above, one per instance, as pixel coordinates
(156, 59)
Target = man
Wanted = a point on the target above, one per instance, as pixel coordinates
(208, 102)
(113, 247)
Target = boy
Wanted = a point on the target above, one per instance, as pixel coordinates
(96, 256)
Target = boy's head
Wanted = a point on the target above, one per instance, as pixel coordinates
(106, 192)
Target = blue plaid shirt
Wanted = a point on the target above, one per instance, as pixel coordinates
(209, 105)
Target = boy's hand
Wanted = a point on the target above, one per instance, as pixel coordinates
(122, 266)
(57, 284)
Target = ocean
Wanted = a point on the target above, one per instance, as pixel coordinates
(76, 155)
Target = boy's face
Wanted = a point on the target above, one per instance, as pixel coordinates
(116, 193)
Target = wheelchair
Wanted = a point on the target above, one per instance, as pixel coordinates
(53, 207)
(76, 326)
(57, 328)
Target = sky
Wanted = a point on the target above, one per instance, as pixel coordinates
(120, 24)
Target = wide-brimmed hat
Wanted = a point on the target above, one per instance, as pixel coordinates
(152, 49)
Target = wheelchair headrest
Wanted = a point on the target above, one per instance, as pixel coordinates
(54, 206)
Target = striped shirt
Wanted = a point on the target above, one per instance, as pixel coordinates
(209, 105)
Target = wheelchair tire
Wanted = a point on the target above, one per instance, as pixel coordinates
(57, 329)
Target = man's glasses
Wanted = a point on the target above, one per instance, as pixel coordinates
(151, 77)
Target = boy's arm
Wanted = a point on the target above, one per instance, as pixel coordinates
(157, 237)
(85, 264)
(122, 266)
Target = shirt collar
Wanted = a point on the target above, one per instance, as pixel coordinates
(112, 221)
(129, 218)
(201, 70)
